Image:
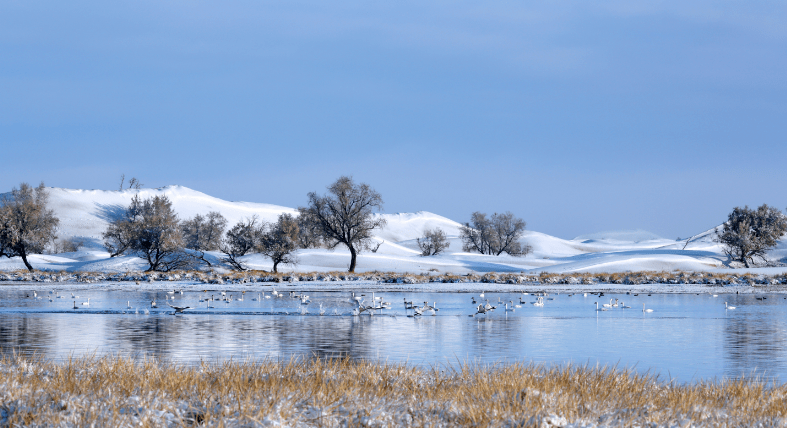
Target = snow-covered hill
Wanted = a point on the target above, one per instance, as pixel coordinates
(85, 214)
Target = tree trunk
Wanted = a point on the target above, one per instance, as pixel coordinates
(24, 259)
(275, 263)
(353, 255)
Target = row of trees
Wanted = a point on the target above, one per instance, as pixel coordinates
(149, 228)
(493, 235)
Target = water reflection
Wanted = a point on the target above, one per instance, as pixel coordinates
(687, 337)
(755, 337)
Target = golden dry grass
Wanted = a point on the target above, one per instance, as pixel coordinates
(113, 391)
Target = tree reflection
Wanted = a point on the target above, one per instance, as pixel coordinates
(755, 342)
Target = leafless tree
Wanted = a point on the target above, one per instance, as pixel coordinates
(150, 230)
(68, 245)
(242, 239)
(345, 216)
(204, 233)
(494, 235)
(26, 225)
(309, 234)
(132, 184)
(751, 233)
(279, 241)
(433, 242)
(121, 232)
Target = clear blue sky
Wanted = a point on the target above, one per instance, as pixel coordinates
(576, 116)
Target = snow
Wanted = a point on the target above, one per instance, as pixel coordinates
(85, 214)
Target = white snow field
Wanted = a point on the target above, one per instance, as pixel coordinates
(84, 214)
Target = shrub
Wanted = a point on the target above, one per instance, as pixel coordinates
(433, 242)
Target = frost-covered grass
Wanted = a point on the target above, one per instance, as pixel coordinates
(249, 277)
(115, 391)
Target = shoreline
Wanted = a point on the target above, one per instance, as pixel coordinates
(370, 286)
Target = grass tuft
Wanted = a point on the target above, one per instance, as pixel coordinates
(117, 391)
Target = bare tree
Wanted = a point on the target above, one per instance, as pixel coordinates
(279, 241)
(121, 232)
(309, 234)
(345, 216)
(433, 242)
(132, 184)
(26, 225)
(242, 239)
(150, 230)
(494, 235)
(204, 233)
(68, 245)
(751, 233)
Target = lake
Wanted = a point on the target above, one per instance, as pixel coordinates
(687, 336)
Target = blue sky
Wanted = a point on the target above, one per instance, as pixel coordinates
(577, 116)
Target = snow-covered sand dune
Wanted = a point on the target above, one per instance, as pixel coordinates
(85, 214)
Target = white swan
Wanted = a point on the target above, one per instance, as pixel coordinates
(86, 303)
(608, 305)
(153, 304)
(539, 302)
(646, 310)
(726, 306)
(481, 310)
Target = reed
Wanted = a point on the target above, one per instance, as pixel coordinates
(118, 391)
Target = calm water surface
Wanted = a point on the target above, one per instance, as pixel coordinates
(687, 336)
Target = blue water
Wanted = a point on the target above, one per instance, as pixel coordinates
(687, 337)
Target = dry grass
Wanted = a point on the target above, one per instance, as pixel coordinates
(552, 279)
(113, 391)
